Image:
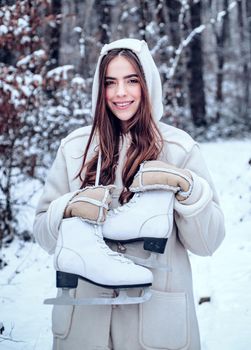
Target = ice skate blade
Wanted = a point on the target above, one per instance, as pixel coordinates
(121, 299)
(151, 262)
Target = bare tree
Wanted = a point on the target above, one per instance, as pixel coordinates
(195, 67)
(54, 33)
(221, 32)
(175, 86)
(243, 18)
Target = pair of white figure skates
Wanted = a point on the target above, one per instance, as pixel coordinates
(82, 253)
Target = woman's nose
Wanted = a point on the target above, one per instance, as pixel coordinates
(121, 89)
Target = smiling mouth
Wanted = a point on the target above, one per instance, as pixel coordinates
(122, 105)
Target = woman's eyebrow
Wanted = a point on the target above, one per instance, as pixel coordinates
(125, 77)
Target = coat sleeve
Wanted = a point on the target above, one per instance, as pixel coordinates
(52, 204)
(199, 218)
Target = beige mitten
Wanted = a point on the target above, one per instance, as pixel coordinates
(91, 204)
(155, 174)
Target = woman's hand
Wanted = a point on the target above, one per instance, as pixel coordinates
(180, 178)
(157, 174)
(90, 204)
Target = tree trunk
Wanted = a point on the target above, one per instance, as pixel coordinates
(244, 16)
(103, 11)
(160, 17)
(175, 88)
(144, 20)
(84, 42)
(174, 27)
(195, 67)
(221, 41)
(7, 220)
(56, 8)
(248, 17)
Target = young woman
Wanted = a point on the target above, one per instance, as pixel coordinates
(127, 107)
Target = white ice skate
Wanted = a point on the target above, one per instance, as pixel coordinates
(147, 217)
(81, 253)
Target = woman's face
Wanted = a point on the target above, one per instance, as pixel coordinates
(123, 90)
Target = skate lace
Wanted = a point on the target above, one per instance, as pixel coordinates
(101, 242)
(108, 251)
(125, 206)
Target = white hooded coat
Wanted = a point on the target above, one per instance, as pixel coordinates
(168, 321)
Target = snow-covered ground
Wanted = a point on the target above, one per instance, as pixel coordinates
(225, 321)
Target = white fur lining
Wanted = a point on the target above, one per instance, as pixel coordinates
(201, 195)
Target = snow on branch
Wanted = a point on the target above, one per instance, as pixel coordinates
(185, 42)
(34, 56)
(162, 40)
(60, 72)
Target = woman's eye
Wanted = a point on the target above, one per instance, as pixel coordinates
(109, 82)
(133, 81)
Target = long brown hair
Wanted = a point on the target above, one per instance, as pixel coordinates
(146, 140)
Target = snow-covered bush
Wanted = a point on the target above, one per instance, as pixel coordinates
(38, 106)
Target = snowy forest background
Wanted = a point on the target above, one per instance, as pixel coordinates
(48, 52)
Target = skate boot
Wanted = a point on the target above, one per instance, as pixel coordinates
(147, 217)
(81, 253)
